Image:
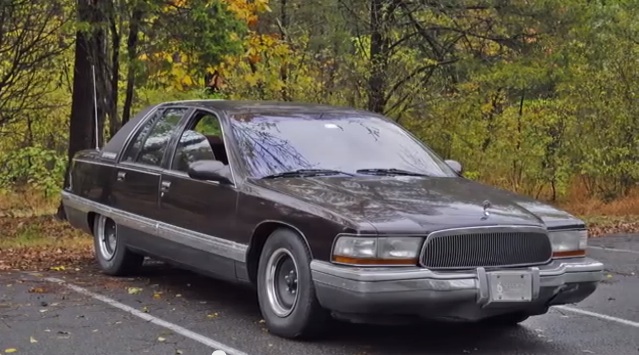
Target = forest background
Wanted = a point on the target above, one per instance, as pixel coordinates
(534, 96)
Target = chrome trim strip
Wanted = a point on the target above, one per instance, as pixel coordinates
(197, 240)
(478, 229)
(140, 168)
(555, 268)
(96, 162)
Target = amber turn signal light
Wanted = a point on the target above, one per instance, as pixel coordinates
(359, 261)
(569, 254)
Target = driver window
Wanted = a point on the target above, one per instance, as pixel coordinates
(201, 140)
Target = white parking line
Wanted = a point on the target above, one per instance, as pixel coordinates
(599, 315)
(615, 249)
(151, 319)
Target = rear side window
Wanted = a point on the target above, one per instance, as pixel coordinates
(152, 139)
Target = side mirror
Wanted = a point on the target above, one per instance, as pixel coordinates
(455, 165)
(212, 170)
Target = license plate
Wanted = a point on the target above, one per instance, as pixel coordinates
(510, 286)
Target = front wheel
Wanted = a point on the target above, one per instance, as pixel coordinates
(111, 253)
(285, 288)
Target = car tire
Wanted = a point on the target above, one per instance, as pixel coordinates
(285, 288)
(111, 253)
(505, 320)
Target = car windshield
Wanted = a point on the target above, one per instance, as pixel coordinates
(348, 142)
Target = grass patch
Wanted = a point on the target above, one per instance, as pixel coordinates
(42, 243)
(27, 203)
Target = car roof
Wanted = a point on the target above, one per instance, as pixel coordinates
(231, 107)
(255, 106)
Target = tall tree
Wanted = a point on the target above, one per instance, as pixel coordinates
(82, 129)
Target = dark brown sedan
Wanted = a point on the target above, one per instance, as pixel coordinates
(327, 211)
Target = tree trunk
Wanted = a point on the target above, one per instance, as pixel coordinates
(283, 29)
(82, 127)
(114, 122)
(132, 55)
(378, 58)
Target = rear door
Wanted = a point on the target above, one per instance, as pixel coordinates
(136, 189)
(201, 214)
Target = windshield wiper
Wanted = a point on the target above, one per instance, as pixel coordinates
(305, 173)
(389, 172)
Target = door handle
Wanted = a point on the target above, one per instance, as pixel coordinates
(165, 186)
(121, 175)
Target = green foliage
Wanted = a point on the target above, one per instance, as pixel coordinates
(533, 96)
(40, 168)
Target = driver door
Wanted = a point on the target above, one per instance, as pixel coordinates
(201, 214)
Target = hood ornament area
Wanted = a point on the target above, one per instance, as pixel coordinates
(487, 205)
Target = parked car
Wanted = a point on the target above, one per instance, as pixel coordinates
(328, 212)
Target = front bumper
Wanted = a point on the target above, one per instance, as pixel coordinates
(457, 295)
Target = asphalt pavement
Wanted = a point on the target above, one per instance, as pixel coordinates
(170, 311)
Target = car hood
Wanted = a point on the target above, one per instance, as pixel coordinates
(418, 204)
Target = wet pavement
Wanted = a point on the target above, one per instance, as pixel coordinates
(170, 311)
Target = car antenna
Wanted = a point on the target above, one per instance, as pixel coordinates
(95, 109)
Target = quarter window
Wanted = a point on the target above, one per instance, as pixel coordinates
(151, 141)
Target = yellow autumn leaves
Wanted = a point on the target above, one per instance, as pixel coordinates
(171, 68)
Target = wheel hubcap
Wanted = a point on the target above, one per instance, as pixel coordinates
(107, 237)
(281, 282)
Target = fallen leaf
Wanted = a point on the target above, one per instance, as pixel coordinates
(212, 315)
(36, 290)
(134, 290)
(157, 295)
(32, 340)
(58, 268)
(10, 350)
(161, 339)
(145, 309)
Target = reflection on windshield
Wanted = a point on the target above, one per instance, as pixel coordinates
(271, 144)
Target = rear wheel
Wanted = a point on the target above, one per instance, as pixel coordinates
(111, 253)
(285, 288)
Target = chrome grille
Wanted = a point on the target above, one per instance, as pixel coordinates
(487, 247)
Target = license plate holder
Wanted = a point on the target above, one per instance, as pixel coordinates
(510, 286)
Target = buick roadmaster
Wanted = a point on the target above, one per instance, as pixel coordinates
(327, 212)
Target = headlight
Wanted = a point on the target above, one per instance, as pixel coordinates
(571, 243)
(377, 250)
